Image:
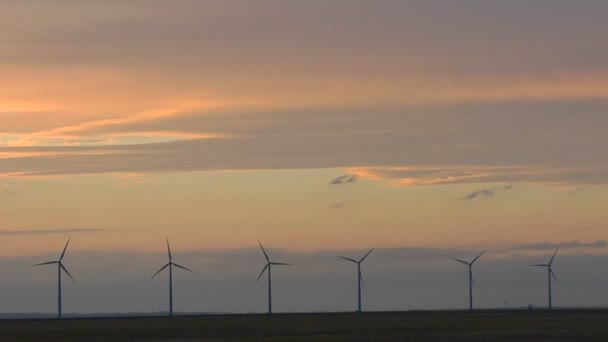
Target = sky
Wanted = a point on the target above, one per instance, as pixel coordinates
(425, 129)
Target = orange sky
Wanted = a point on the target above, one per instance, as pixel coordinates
(111, 115)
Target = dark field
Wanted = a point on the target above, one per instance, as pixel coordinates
(560, 325)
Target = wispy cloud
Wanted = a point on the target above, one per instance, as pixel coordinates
(506, 109)
(478, 194)
(325, 139)
(485, 193)
(336, 205)
(9, 187)
(338, 180)
(586, 229)
(403, 176)
(566, 244)
(576, 191)
(92, 132)
(52, 231)
(348, 178)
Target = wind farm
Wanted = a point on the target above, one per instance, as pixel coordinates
(270, 263)
(458, 325)
(303, 170)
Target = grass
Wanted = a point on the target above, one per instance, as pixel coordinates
(557, 325)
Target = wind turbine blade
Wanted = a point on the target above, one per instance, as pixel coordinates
(553, 257)
(349, 259)
(477, 257)
(183, 268)
(46, 263)
(264, 251)
(263, 270)
(361, 278)
(368, 253)
(553, 275)
(67, 272)
(169, 250)
(541, 265)
(64, 249)
(462, 261)
(155, 274)
(280, 263)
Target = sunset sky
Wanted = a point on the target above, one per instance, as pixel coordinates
(316, 127)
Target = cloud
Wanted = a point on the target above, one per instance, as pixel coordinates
(52, 231)
(348, 178)
(585, 229)
(338, 180)
(478, 194)
(83, 133)
(379, 51)
(336, 205)
(565, 244)
(485, 192)
(464, 119)
(485, 150)
(576, 191)
(402, 176)
(9, 187)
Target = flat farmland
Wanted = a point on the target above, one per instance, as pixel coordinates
(524, 325)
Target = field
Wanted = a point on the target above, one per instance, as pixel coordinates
(558, 325)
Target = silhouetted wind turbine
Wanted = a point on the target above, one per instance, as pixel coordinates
(170, 264)
(359, 275)
(59, 268)
(268, 267)
(470, 264)
(549, 275)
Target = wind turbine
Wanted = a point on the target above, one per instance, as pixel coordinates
(170, 264)
(268, 267)
(359, 275)
(59, 268)
(470, 265)
(549, 275)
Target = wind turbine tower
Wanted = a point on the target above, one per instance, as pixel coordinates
(170, 264)
(60, 267)
(549, 275)
(470, 266)
(268, 267)
(359, 275)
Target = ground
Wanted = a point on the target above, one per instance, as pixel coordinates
(524, 325)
